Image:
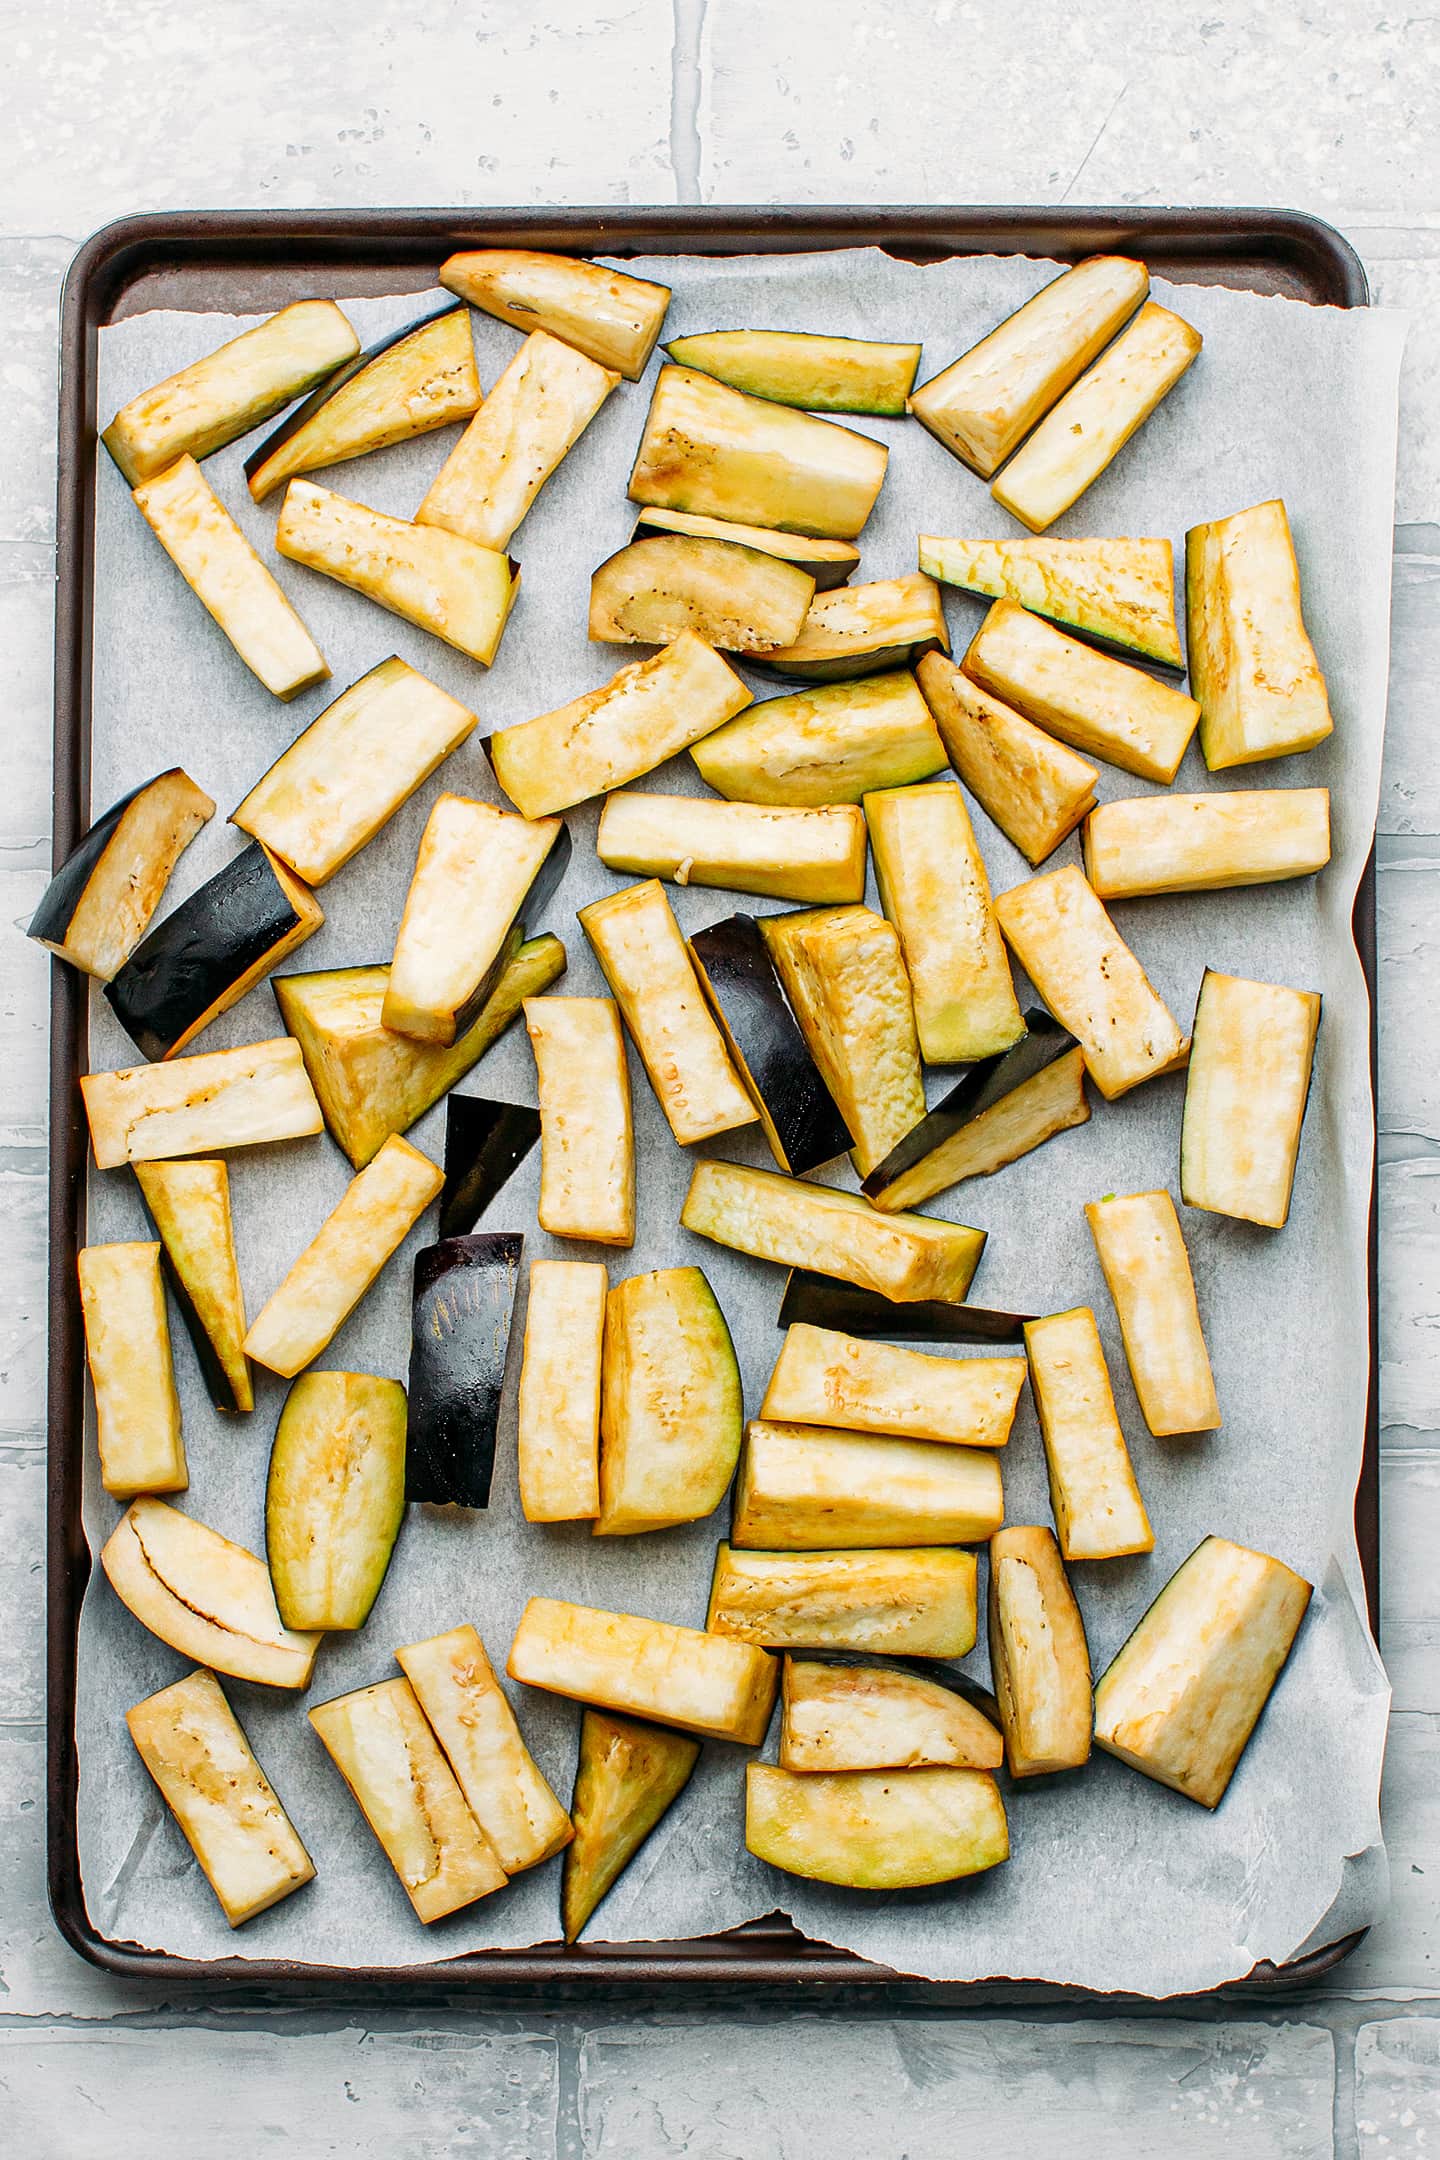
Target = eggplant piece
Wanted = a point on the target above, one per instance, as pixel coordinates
(1181, 1699)
(1033, 788)
(1039, 1659)
(211, 951)
(644, 959)
(231, 390)
(1206, 843)
(825, 1377)
(379, 1741)
(809, 1488)
(878, 1717)
(1004, 1106)
(376, 1213)
(863, 630)
(713, 450)
(742, 599)
(372, 1083)
(1091, 980)
(829, 562)
(96, 908)
(918, 1602)
(469, 1715)
(437, 580)
(558, 1443)
(420, 378)
(611, 316)
(335, 1497)
(1245, 1094)
(815, 1300)
(677, 1676)
(587, 1136)
(797, 1112)
(876, 1829)
(485, 1143)
(907, 1258)
(1252, 665)
(1142, 1254)
(218, 1099)
(189, 1204)
(229, 580)
(460, 1332)
(987, 401)
(1119, 595)
(208, 1599)
(1093, 422)
(670, 1404)
(127, 1344)
(627, 1774)
(797, 367)
(934, 889)
(1099, 1513)
(193, 1746)
(650, 711)
(329, 794)
(829, 745)
(780, 853)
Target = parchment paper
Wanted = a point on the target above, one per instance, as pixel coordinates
(1115, 1883)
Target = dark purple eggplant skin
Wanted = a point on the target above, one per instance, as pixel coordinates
(464, 1300)
(827, 1303)
(542, 891)
(68, 887)
(980, 1087)
(943, 1670)
(485, 1142)
(846, 667)
(739, 977)
(346, 373)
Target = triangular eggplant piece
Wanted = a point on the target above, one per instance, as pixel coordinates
(627, 1775)
(189, 1204)
(485, 1142)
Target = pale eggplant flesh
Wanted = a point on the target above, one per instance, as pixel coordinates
(1039, 1658)
(833, 744)
(627, 1774)
(862, 630)
(196, 1105)
(800, 367)
(687, 1677)
(739, 599)
(1118, 595)
(829, 562)
(821, 1301)
(189, 1203)
(335, 1497)
(840, 1713)
(98, 905)
(464, 1301)
(485, 1143)
(670, 1406)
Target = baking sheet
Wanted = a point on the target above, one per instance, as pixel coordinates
(1114, 1883)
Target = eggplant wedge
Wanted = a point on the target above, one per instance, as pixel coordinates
(1093, 422)
(98, 905)
(1252, 665)
(231, 390)
(644, 958)
(647, 713)
(830, 745)
(379, 1741)
(1185, 1693)
(485, 1143)
(777, 852)
(1032, 787)
(208, 1599)
(219, 1099)
(1099, 1513)
(335, 1497)
(193, 1746)
(713, 450)
(379, 1208)
(371, 1082)
(797, 367)
(878, 1717)
(442, 583)
(1091, 980)
(901, 1257)
(1118, 595)
(987, 401)
(816, 1301)
(607, 314)
(127, 1344)
(828, 562)
(1245, 1094)
(797, 1112)
(699, 1682)
(558, 1443)
(421, 378)
(813, 1488)
(1142, 1254)
(825, 1377)
(211, 951)
(918, 1602)
(874, 1829)
(863, 630)
(670, 1406)
(1206, 843)
(587, 1135)
(229, 580)
(339, 782)
(741, 599)
(627, 1774)
(532, 419)
(189, 1204)
(1039, 1659)
(464, 1302)
(934, 889)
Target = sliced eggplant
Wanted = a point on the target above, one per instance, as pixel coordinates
(189, 1204)
(587, 1137)
(127, 1344)
(192, 1744)
(1035, 789)
(878, 1717)
(533, 417)
(220, 1099)
(825, 1377)
(650, 711)
(1099, 1513)
(437, 580)
(876, 1829)
(613, 317)
(485, 1143)
(1117, 594)
(376, 1213)
(627, 1774)
(742, 599)
(1252, 665)
(816, 1301)
(558, 1444)
(1093, 422)
(918, 1602)
(208, 1599)
(711, 449)
(1039, 1659)
(797, 367)
(829, 562)
(1091, 980)
(1245, 1094)
(670, 1407)
(229, 580)
(863, 630)
(211, 950)
(811, 1488)
(1205, 843)
(463, 1304)
(420, 378)
(1185, 1693)
(647, 1668)
(335, 1497)
(830, 745)
(329, 794)
(99, 903)
(1147, 1269)
(779, 852)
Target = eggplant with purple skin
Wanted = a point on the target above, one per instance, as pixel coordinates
(463, 1305)
(824, 1302)
(189, 1204)
(485, 1142)
(98, 905)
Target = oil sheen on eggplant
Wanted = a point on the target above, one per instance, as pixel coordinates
(797, 1111)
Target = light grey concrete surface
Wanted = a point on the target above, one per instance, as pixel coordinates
(119, 105)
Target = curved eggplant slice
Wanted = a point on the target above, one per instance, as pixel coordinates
(799, 367)
(670, 1410)
(841, 1713)
(485, 1143)
(824, 1302)
(464, 1302)
(335, 1497)
(862, 630)
(737, 598)
(189, 1203)
(98, 905)
(610, 316)
(834, 744)
(626, 1775)
(873, 1829)
(208, 1599)
(829, 562)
